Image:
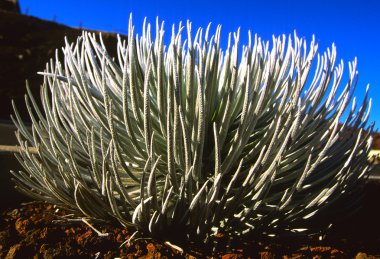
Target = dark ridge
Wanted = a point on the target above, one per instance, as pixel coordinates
(26, 45)
(10, 5)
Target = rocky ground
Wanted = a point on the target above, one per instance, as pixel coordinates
(31, 231)
(38, 230)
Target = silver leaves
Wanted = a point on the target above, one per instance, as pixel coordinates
(188, 137)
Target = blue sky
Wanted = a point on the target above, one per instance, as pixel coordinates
(353, 25)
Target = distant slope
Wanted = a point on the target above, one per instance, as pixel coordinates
(26, 44)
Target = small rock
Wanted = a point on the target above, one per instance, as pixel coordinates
(151, 250)
(119, 238)
(230, 256)
(337, 253)
(21, 225)
(267, 255)
(320, 249)
(13, 251)
(361, 255)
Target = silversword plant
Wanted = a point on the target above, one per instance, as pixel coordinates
(186, 141)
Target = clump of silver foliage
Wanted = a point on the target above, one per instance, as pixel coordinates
(189, 140)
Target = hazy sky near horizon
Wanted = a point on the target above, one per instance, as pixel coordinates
(353, 25)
